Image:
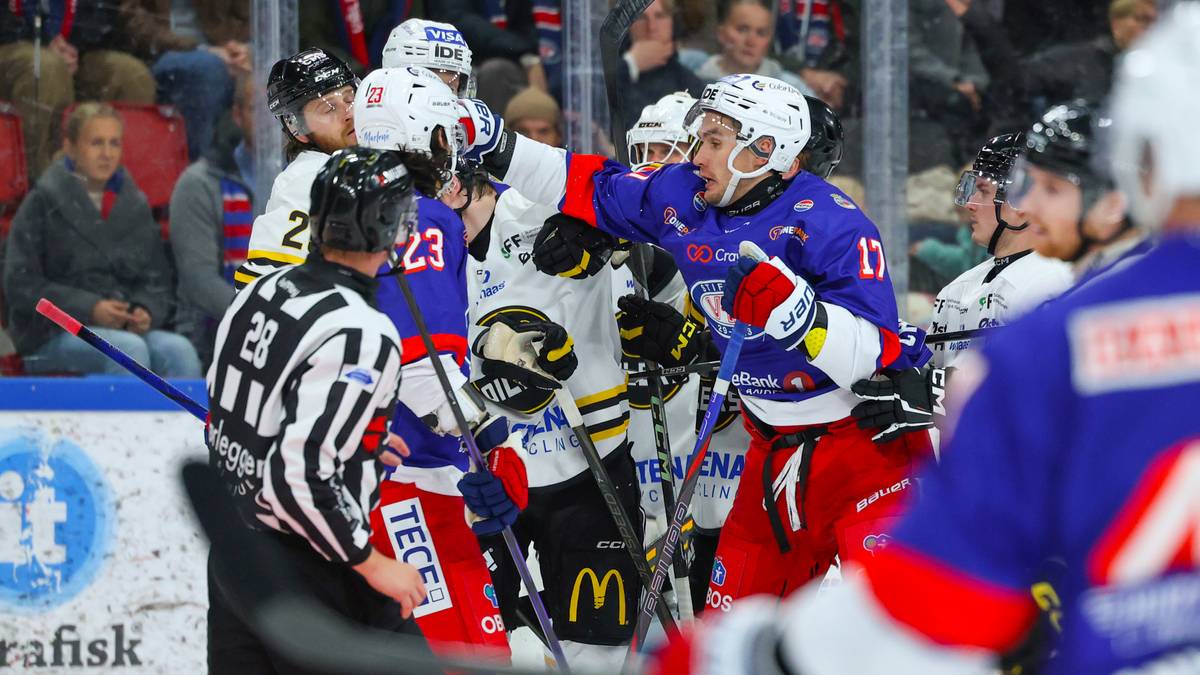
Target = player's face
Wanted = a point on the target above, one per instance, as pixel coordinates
(330, 120)
(745, 37)
(450, 78)
(981, 211)
(663, 153)
(1052, 205)
(717, 139)
(97, 151)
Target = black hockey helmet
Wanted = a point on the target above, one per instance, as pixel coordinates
(824, 146)
(302, 77)
(362, 200)
(993, 163)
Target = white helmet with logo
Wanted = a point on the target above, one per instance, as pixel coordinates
(433, 45)
(662, 122)
(761, 107)
(403, 108)
(1155, 105)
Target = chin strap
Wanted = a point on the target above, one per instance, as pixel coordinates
(1001, 226)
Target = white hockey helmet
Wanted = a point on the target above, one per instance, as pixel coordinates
(662, 122)
(761, 107)
(1155, 105)
(403, 109)
(433, 45)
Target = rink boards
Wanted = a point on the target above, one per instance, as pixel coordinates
(101, 564)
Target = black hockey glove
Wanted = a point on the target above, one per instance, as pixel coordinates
(569, 247)
(906, 401)
(512, 347)
(656, 332)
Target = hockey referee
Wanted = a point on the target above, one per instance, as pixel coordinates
(303, 381)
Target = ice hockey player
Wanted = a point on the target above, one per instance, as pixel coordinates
(1095, 457)
(302, 385)
(311, 93)
(1063, 157)
(440, 47)
(422, 502)
(810, 340)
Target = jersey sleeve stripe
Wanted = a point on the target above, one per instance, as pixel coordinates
(600, 397)
(412, 349)
(263, 257)
(889, 347)
(578, 201)
(610, 429)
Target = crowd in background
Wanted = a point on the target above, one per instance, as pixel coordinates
(154, 283)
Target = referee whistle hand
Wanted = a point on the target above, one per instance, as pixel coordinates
(395, 452)
(399, 581)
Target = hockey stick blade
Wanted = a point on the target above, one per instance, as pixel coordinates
(608, 491)
(262, 586)
(612, 32)
(688, 488)
(510, 539)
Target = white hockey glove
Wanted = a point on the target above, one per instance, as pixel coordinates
(538, 354)
(482, 126)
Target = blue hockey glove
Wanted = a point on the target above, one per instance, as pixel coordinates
(496, 497)
(482, 126)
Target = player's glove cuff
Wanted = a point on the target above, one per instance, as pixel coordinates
(569, 247)
(655, 331)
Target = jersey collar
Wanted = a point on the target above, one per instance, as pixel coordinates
(322, 269)
(998, 264)
(765, 192)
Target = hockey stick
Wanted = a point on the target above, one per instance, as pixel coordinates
(701, 368)
(972, 333)
(262, 587)
(510, 540)
(608, 491)
(653, 548)
(688, 488)
(74, 327)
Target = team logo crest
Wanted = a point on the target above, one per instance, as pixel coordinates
(874, 543)
(718, 573)
(843, 202)
(698, 202)
(707, 296)
(802, 205)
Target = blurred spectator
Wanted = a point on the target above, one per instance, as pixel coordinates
(196, 49)
(696, 27)
(653, 68)
(71, 62)
(534, 114)
(85, 239)
(812, 37)
(947, 81)
(211, 215)
(1085, 69)
(746, 29)
(504, 33)
(355, 36)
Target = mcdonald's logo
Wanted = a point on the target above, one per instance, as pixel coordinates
(599, 586)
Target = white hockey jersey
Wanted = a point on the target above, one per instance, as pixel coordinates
(994, 292)
(726, 458)
(280, 237)
(508, 283)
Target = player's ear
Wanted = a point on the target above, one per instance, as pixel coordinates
(1107, 215)
(793, 169)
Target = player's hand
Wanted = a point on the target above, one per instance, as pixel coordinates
(656, 332)
(395, 452)
(397, 580)
(766, 294)
(538, 354)
(569, 247)
(482, 126)
(904, 402)
(497, 496)
(139, 321)
(111, 314)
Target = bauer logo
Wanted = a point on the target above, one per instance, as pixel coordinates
(412, 543)
(55, 521)
(443, 35)
(718, 573)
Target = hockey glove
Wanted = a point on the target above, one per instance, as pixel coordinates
(537, 354)
(482, 126)
(905, 402)
(496, 497)
(766, 294)
(656, 332)
(569, 247)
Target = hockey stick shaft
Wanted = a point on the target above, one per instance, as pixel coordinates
(612, 500)
(688, 487)
(74, 327)
(701, 368)
(510, 540)
(938, 338)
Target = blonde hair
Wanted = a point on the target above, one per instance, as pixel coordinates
(1120, 9)
(86, 112)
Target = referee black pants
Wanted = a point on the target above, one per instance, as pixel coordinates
(233, 646)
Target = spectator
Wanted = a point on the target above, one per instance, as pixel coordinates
(534, 114)
(1085, 69)
(328, 24)
(196, 49)
(814, 37)
(947, 82)
(85, 239)
(746, 29)
(653, 66)
(71, 62)
(211, 215)
(504, 34)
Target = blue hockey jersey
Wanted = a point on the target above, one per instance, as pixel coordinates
(1081, 440)
(435, 258)
(812, 226)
